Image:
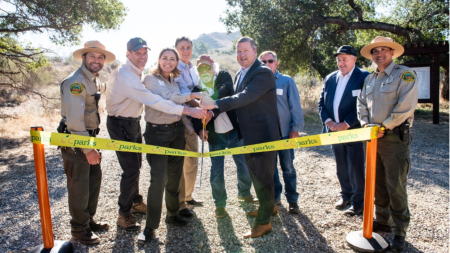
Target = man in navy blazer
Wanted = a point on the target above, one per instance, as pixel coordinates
(255, 103)
(337, 110)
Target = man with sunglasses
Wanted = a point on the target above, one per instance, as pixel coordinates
(80, 93)
(291, 121)
(221, 132)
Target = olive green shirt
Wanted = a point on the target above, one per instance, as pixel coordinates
(388, 97)
(168, 90)
(78, 107)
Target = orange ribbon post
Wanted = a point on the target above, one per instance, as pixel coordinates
(43, 196)
(371, 164)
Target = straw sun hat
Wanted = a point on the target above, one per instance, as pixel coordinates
(382, 42)
(94, 46)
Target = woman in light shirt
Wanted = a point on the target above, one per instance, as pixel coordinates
(165, 130)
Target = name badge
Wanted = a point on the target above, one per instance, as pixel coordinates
(356, 93)
(280, 92)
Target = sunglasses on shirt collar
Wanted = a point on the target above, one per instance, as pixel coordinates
(268, 61)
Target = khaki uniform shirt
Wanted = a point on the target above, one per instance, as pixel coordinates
(126, 94)
(78, 107)
(167, 90)
(388, 97)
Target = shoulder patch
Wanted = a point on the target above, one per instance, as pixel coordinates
(76, 89)
(408, 76)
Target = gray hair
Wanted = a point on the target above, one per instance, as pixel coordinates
(247, 39)
(183, 38)
(268, 52)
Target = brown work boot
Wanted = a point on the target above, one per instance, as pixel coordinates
(258, 230)
(98, 226)
(254, 213)
(128, 223)
(85, 237)
(139, 208)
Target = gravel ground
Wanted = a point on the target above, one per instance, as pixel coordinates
(318, 228)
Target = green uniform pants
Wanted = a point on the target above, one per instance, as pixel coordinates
(83, 186)
(391, 198)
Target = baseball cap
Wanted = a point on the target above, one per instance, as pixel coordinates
(135, 44)
(345, 50)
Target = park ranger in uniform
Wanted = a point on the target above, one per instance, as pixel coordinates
(388, 99)
(80, 93)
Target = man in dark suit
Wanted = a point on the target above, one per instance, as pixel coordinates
(221, 132)
(337, 109)
(255, 101)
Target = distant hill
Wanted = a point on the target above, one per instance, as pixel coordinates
(222, 41)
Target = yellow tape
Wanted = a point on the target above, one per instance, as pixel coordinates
(78, 141)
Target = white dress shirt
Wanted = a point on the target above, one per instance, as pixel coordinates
(342, 81)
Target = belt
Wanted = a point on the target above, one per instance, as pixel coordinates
(94, 132)
(396, 130)
(175, 124)
(125, 118)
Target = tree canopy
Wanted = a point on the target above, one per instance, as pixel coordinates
(305, 33)
(63, 20)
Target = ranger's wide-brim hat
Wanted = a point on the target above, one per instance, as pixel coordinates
(94, 46)
(382, 42)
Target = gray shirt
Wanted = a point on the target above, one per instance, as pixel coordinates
(288, 102)
(167, 90)
(388, 97)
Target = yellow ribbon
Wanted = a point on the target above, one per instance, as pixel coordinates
(79, 141)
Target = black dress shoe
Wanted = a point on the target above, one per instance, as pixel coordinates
(278, 202)
(176, 220)
(195, 202)
(98, 226)
(398, 244)
(293, 208)
(351, 211)
(146, 235)
(377, 227)
(342, 204)
(186, 213)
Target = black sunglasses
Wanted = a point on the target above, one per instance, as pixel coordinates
(268, 61)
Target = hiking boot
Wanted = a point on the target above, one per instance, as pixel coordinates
(98, 226)
(128, 223)
(86, 237)
(220, 212)
(139, 208)
(249, 199)
(398, 244)
(293, 208)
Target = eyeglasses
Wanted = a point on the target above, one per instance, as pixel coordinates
(203, 68)
(268, 61)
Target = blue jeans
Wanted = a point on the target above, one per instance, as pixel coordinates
(223, 141)
(289, 176)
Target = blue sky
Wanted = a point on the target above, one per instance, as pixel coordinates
(158, 22)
